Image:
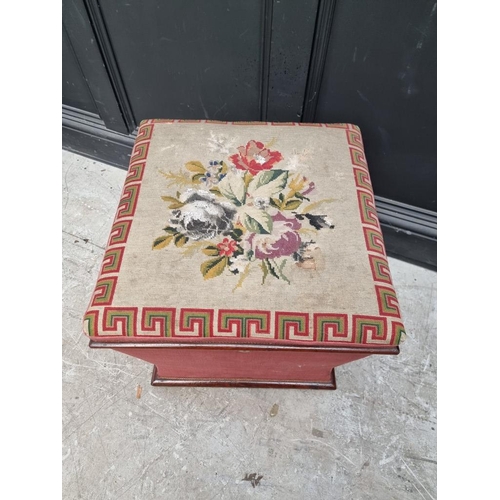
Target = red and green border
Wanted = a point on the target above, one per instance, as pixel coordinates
(105, 321)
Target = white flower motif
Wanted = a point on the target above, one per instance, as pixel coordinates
(259, 159)
(213, 169)
(210, 181)
(221, 144)
(297, 159)
(261, 203)
(238, 263)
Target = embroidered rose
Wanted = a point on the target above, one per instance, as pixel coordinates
(284, 239)
(254, 157)
(227, 247)
(201, 216)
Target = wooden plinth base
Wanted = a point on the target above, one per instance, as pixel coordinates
(219, 365)
(156, 380)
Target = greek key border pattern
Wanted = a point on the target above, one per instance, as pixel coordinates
(225, 324)
(104, 320)
(369, 329)
(120, 230)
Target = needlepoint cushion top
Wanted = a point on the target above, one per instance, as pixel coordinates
(246, 233)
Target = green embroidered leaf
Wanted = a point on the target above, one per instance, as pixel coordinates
(236, 233)
(271, 269)
(170, 199)
(275, 203)
(256, 220)
(162, 242)
(300, 196)
(192, 248)
(173, 206)
(233, 188)
(268, 183)
(214, 267)
(271, 143)
(313, 206)
(180, 240)
(197, 177)
(279, 270)
(174, 202)
(238, 251)
(224, 168)
(215, 191)
(247, 178)
(211, 251)
(243, 276)
(195, 167)
(170, 230)
(265, 271)
(178, 179)
(292, 204)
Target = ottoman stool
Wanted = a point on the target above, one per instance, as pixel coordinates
(246, 254)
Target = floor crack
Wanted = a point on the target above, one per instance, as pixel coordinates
(80, 238)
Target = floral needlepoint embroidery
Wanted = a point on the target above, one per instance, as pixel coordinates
(227, 247)
(243, 214)
(201, 216)
(284, 239)
(254, 157)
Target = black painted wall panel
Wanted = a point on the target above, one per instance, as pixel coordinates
(372, 63)
(88, 50)
(293, 24)
(380, 73)
(190, 59)
(75, 92)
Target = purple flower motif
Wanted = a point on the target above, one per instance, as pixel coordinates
(309, 189)
(283, 241)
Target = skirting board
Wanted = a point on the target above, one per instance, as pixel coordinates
(85, 133)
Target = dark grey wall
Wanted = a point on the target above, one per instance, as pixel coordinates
(380, 73)
(75, 91)
(290, 56)
(369, 63)
(189, 59)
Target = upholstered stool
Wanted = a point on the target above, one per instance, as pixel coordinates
(246, 254)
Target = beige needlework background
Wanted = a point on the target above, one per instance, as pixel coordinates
(167, 278)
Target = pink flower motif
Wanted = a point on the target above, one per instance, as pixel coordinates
(227, 247)
(284, 240)
(309, 189)
(254, 157)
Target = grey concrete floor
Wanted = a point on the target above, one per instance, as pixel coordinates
(374, 438)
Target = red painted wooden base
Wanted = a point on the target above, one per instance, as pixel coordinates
(156, 380)
(244, 365)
